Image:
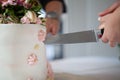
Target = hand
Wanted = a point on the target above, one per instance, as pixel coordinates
(52, 26)
(51, 23)
(111, 9)
(111, 25)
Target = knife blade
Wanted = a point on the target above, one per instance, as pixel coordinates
(76, 37)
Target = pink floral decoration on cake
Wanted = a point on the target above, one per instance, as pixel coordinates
(41, 35)
(32, 59)
(50, 74)
(30, 78)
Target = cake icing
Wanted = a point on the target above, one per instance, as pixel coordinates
(22, 52)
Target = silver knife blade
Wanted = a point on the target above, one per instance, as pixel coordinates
(72, 38)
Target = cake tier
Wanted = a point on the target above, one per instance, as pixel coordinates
(22, 55)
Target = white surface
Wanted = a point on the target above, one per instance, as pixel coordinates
(96, 67)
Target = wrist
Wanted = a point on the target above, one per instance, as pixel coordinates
(53, 15)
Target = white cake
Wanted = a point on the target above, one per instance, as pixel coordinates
(22, 55)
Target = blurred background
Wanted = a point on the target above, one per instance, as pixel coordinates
(82, 15)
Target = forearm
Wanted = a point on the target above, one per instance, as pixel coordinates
(54, 9)
(54, 6)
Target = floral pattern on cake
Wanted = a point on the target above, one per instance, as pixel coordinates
(50, 74)
(41, 35)
(30, 78)
(32, 59)
(36, 47)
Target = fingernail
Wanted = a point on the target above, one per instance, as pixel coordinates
(99, 18)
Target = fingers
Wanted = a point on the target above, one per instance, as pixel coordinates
(110, 9)
(106, 40)
(52, 26)
(102, 19)
(105, 37)
(53, 29)
(112, 43)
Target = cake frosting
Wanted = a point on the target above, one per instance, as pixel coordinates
(22, 52)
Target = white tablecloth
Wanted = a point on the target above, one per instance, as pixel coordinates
(98, 68)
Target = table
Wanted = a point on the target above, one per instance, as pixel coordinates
(87, 68)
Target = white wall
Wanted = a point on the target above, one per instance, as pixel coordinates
(82, 15)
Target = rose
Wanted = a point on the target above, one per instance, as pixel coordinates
(6, 2)
(20, 11)
(30, 17)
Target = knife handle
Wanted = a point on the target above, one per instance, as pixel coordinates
(102, 32)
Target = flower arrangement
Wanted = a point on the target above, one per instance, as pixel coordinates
(20, 12)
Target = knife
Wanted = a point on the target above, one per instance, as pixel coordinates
(76, 37)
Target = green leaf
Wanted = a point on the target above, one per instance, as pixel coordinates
(36, 8)
(1, 9)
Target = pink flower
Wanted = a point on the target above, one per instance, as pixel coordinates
(38, 21)
(20, 2)
(6, 2)
(32, 16)
(24, 3)
(32, 59)
(41, 35)
(25, 20)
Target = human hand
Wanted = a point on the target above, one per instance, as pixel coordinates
(111, 9)
(111, 25)
(52, 25)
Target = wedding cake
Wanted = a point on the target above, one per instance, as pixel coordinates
(22, 32)
(22, 53)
